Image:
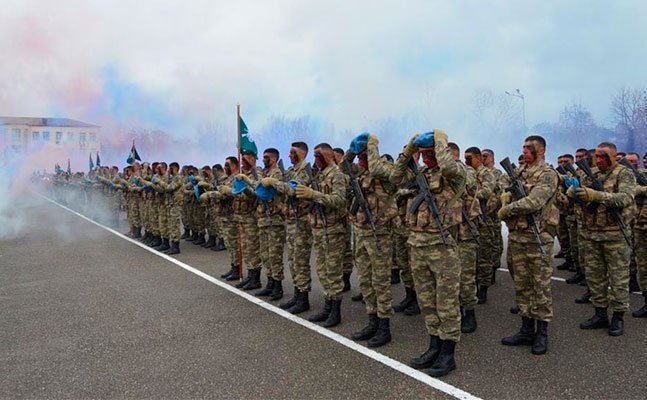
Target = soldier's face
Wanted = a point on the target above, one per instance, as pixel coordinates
(294, 156)
(645, 162)
(429, 157)
(338, 157)
(633, 160)
(362, 160)
(488, 159)
(580, 155)
(320, 159)
(268, 160)
(603, 157)
(248, 162)
(562, 161)
(531, 152)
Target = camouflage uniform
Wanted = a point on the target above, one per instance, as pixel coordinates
(271, 227)
(467, 245)
(640, 236)
(606, 253)
(436, 267)
(400, 237)
(493, 205)
(374, 265)
(226, 220)
(244, 207)
(532, 269)
(171, 186)
(486, 182)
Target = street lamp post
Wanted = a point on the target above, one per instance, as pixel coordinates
(523, 103)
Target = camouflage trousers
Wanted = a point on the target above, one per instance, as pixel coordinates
(173, 221)
(212, 221)
(251, 246)
(198, 218)
(153, 217)
(498, 243)
(133, 211)
(299, 241)
(468, 253)
(486, 254)
(230, 236)
(436, 272)
(607, 272)
(186, 222)
(374, 272)
(571, 224)
(640, 239)
(272, 242)
(532, 272)
(348, 260)
(162, 216)
(328, 261)
(401, 255)
(563, 237)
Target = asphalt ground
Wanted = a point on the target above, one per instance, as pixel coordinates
(85, 313)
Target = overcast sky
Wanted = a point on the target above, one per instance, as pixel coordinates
(175, 64)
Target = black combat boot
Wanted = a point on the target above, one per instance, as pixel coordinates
(146, 239)
(290, 303)
(200, 240)
(235, 275)
(226, 274)
(255, 281)
(157, 240)
(138, 232)
(413, 308)
(617, 327)
(220, 245)
(540, 344)
(303, 304)
(193, 235)
(409, 297)
(245, 280)
(585, 299)
(383, 334)
(175, 248)
(358, 297)
(468, 322)
(164, 246)
(395, 276)
(369, 330)
(514, 309)
(481, 294)
(445, 362)
(346, 279)
(186, 234)
(633, 283)
(277, 291)
(268, 288)
(642, 313)
(428, 358)
(210, 243)
(525, 336)
(334, 318)
(494, 275)
(323, 314)
(598, 321)
(577, 278)
(565, 265)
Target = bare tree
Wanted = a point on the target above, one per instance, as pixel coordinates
(629, 109)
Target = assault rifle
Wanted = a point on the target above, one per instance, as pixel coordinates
(360, 201)
(426, 196)
(640, 177)
(319, 207)
(470, 226)
(597, 185)
(520, 192)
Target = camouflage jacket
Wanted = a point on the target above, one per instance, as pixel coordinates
(332, 184)
(293, 208)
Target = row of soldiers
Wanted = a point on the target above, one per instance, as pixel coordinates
(442, 219)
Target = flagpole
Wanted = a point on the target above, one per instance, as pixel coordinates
(240, 225)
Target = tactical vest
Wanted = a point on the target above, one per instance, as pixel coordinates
(598, 218)
(274, 207)
(447, 201)
(548, 217)
(334, 216)
(380, 199)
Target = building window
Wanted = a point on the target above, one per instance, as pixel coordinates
(35, 136)
(59, 136)
(69, 138)
(16, 135)
(82, 142)
(93, 137)
(45, 136)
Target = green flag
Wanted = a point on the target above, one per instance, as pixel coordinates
(246, 142)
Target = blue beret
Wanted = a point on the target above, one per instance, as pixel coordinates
(293, 184)
(358, 144)
(425, 140)
(238, 187)
(265, 193)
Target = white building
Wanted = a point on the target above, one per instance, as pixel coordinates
(20, 135)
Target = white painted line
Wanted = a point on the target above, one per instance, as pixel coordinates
(379, 357)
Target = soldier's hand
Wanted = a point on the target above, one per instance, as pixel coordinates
(411, 148)
(588, 195)
(305, 192)
(506, 198)
(203, 184)
(225, 189)
(570, 192)
(440, 136)
(373, 140)
(641, 190)
(504, 212)
(204, 197)
(245, 178)
(269, 181)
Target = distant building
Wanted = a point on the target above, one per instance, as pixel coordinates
(20, 135)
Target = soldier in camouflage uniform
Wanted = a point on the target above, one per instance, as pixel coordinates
(299, 232)
(492, 207)
(348, 259)
(211, 221)
(373, 254)
(486, 183)
(606, 252)
(328, 235)
(186, 220)
(434, 252)
(170, 184)
(640, 239)
(271, 227)
(532, 267)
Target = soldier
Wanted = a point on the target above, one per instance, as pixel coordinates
(207, 177)
(171, 183)
(492, 207)
(244, 209)
(486, 185)
(432, 240)
(566, 219)
(634, 160)
(299, 232)
(347, 260)
(329, 230)
(640, 241)
(604, 244)
(372, 248)
(532, 261)
(218, 210)
(186, 205)
(271, 225)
